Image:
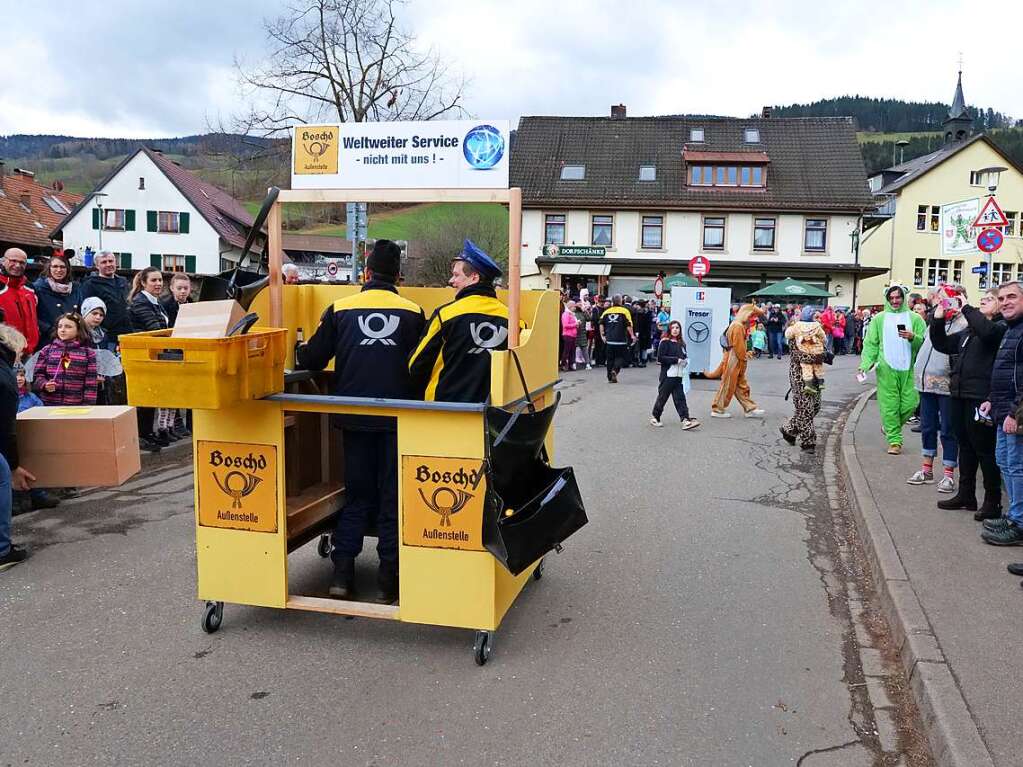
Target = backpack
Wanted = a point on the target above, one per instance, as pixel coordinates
(725, 343)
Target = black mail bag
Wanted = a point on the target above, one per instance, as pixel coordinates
(531, 507)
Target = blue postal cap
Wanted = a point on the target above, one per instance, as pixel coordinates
(473, 255)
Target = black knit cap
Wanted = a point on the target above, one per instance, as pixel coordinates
(385, 260)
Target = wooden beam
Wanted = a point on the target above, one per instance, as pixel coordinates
(342, 607)
(276, 245)
(395, 195)
(514, 264)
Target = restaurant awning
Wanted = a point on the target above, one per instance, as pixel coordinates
(589, 270)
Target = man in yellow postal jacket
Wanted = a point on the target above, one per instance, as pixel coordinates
(369, 335)
(452, 361)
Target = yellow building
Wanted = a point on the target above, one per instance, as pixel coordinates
(908, 235)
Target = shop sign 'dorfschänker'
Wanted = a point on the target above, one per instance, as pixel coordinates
(443, 502)
(237, 485)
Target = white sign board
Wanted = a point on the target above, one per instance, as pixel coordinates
(957, 236)
(401, 155)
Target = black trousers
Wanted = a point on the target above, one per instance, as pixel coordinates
(371, 490)
(976, 448)
(671, 387)
(617, 357)
(599, 351)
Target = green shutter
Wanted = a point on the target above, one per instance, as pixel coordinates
(155, 259)
(183, 223)
(190, 264)
(151, 225)
(95, 218)
(125, 260)
(129, 221)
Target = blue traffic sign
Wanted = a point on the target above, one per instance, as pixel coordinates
(979, 269)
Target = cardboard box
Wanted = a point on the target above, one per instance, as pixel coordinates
(207, 319)
(88, 446)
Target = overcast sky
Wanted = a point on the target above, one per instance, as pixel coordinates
(137, 68)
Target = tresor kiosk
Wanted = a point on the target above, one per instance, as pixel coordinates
(703, 313)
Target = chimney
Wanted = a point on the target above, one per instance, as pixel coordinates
(618, 111)
(26, 202)
(24, 173)
(765, 113)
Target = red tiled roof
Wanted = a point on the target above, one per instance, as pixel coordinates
(18, 225)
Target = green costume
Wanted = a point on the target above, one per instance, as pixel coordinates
(897, 397)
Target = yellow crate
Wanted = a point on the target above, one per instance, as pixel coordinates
(202, 373)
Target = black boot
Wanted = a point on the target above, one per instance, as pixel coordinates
(343, 584)
(990, 509)
(966, 498)
(387, 583)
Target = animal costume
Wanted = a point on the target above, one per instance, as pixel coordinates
(897, 397)
(806, 403)
(732, 370)
(809, 337)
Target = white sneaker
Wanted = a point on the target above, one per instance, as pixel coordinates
(921, 477)
(755, 413)
(655, 422)
(946, 485)
(716, 414)
(589, 367)
(690, 423)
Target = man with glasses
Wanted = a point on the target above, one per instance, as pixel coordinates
(17, 301)
(112, 289)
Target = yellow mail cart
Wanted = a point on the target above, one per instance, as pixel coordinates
(268, 469)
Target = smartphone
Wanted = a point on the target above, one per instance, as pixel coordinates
(901, 327)
(861, 376)
(981, 418)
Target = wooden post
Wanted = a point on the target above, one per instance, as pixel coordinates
(275, 243)
(514, 264)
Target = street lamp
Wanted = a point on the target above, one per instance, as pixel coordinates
(993, 174)
(99, 207)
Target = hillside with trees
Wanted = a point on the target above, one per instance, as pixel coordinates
(892, 115)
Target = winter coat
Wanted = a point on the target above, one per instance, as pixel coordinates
(8, 408)
(971, 353)
(53, 304)
(18, 303)
(569, 324)
(72, 367)
(114, 292)
(580, 336)
(932, 371)
(170, 305)
(28, 400)
(1007, 373)
(670, 352)
(146, 315)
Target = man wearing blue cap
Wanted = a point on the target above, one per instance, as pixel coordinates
(452, 361)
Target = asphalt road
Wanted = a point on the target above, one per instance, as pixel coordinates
(691, 623)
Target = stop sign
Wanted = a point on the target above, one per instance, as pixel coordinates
(699, 266)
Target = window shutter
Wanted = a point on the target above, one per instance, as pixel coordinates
(151, 225)
(129, 221)
(95, 218)
(155, 259)
(183, 223)
(126, 260)
(190, 264)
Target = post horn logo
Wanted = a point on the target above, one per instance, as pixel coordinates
(316, 149)
(237, 489)
(446, 502)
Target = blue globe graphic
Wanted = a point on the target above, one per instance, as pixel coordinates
(483, 147)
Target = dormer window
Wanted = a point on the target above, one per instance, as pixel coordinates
(647, 173)
(751, 136)
(696, 135)
(573, 172)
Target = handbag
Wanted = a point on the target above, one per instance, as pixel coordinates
(531, 507)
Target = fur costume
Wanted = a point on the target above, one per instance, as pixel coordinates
(897, 397)
(732, 370)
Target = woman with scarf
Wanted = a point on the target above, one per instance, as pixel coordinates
(56, 294)
(805, 402)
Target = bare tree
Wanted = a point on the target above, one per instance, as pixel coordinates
(437, 239)
(346, 61)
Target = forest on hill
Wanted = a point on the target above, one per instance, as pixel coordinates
(893, 115)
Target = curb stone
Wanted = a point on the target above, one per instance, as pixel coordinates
(951, 731)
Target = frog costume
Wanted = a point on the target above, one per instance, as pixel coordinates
(894, 356)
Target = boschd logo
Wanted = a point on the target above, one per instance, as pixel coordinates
(237, 485)
(486, 336)
(444, 502)
(483, 147)
(317, 143)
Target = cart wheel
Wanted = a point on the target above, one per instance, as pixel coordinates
(538, 571)
(323, 548)
(212, 616)
(482, 646)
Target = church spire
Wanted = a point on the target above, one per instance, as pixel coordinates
(959, 123)
(958, 102)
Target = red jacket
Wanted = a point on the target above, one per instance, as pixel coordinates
(18, 303)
